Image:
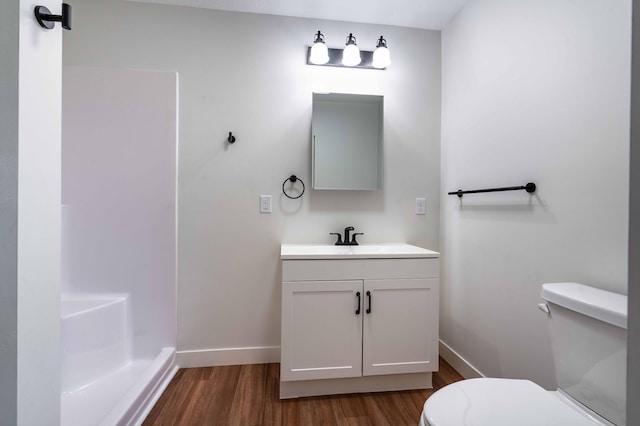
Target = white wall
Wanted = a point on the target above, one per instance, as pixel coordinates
(29, 217)
(119, 190)
(532, 91)
(247, 74)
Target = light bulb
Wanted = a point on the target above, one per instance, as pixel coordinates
(381, 56)
(319, 53)
(351, 53)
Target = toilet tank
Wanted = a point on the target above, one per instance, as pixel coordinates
(588, 330)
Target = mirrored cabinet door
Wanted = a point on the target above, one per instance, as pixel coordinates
(347, 141)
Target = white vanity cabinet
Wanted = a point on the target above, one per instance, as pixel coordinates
(358, 318)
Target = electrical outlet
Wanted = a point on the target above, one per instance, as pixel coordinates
(265, 204)
(421, 206)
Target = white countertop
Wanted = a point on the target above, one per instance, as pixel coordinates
(364, 251)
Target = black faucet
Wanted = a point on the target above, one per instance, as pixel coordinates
(347, 234)
(347, 230)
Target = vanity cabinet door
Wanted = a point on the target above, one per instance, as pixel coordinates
(321, 331)
(400, 333)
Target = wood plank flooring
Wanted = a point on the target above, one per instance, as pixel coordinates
(247, 395)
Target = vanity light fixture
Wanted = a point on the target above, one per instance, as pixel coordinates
(381, 56)
(351, 56)
(319, 53)
(351, 53)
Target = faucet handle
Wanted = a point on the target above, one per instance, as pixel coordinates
(353, 238)
(339, 241)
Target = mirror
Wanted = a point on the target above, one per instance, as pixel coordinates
(346, 137)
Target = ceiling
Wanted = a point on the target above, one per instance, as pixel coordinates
(427, 14)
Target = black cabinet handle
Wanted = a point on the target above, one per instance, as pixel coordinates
(358, 310)
(370, 296)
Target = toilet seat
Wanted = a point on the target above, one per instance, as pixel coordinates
(500, 402)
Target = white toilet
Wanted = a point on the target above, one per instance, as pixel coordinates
(588, 329)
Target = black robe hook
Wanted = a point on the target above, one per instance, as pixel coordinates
(47, 20)
(231, 138)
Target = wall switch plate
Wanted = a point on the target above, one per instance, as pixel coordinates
(421, 206)
(265, 204)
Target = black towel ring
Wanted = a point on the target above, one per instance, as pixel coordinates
(293, 179)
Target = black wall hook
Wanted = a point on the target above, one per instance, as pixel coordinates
(47, 20)
(231, 138)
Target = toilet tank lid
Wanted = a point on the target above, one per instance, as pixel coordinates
(593, 302)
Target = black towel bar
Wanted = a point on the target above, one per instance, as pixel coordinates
(530, 187)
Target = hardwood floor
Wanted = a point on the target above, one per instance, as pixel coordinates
(246, 395)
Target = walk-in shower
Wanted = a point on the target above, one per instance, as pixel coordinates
(118, 301)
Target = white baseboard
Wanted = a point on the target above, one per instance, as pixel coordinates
(460, 364)
(228, 356)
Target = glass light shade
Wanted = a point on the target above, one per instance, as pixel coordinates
(351, 55)
(319, 53)
(381, 57)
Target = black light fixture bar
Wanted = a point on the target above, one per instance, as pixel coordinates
(335, 59)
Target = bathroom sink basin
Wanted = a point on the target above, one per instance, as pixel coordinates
(364, 251)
